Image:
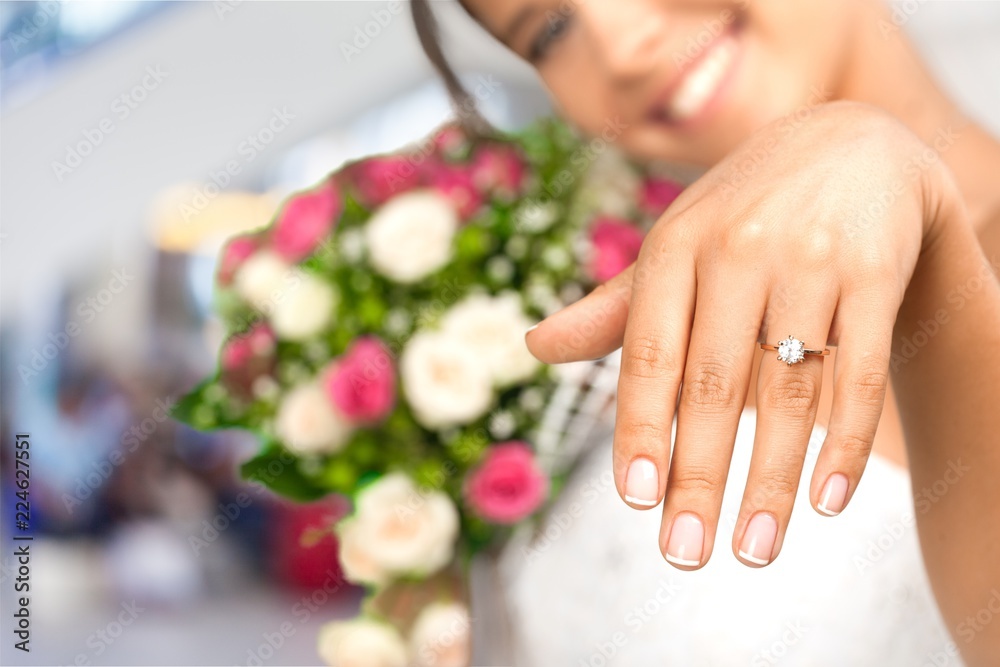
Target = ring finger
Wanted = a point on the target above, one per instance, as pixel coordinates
(787, 402)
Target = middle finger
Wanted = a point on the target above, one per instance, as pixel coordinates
(716, 375)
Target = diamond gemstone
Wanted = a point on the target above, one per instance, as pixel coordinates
(790, 350)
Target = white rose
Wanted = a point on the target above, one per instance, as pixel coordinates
(398, 530)
(261, 277)
(493, 328)
(445, 382)
(410, 236)
(304, 309)
(307, 422)
(441, 636)
(361, 642)
(358, 565)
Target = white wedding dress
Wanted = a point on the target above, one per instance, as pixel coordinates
(594, 590)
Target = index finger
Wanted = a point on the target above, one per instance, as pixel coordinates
(653, 355)
(591, 328)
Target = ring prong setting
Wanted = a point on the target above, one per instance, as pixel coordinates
(791, 350)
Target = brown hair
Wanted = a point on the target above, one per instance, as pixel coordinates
(471, 120)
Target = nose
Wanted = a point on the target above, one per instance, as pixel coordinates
(625, 35)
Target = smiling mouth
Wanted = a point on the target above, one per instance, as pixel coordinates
(700, 83)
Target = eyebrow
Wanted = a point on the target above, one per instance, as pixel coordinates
(514, 26)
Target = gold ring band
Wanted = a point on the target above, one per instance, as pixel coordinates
(791, 350)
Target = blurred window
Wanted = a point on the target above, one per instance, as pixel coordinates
(38, 36)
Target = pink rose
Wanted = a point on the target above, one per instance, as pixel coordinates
(498, 169)
(657, 194)
(362, 383)
(246, 356)
(508, 485)
(305, 221)
(378, 179)
(233, 256)
(456, 184)
(616, 244)
(450, 140)
(242, 347)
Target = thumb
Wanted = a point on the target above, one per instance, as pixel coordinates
(591, 328)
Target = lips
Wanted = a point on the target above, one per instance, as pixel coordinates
(699, 83)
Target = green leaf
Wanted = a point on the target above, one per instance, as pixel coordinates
(278, 469)
(190, 408)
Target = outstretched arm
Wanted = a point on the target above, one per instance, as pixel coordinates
(835, 235)
(946, 371)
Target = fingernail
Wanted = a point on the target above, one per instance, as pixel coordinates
(758, 540)
(531, 328)
(642, 484)
(687, 539)
(834, 495)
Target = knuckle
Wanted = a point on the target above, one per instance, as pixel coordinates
(855, 446)
(820, 248)
(710, 385)
(642, 432)
(743, 236)
(779, 482)
(868, 386)
(647, 357)
(696, 479)
(791, 392)
(869, 267)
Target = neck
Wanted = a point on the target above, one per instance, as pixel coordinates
(884, 70)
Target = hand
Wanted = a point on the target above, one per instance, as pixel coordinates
(810, 228)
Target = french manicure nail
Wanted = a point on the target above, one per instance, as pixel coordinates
(642, 484)
(834, 495)
(758, 540)
(686, 542)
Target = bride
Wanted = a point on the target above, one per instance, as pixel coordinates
(847, 202)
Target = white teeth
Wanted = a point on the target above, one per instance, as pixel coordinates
(702, 80)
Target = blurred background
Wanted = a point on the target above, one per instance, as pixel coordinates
(134, 138)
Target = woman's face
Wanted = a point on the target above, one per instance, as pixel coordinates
(680, 80)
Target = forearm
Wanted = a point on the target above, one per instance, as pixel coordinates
(946, 372)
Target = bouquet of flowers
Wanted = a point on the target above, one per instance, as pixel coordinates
(376, 347)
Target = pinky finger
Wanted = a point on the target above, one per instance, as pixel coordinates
(860, 378)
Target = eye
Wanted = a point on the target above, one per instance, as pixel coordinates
(555, 27)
